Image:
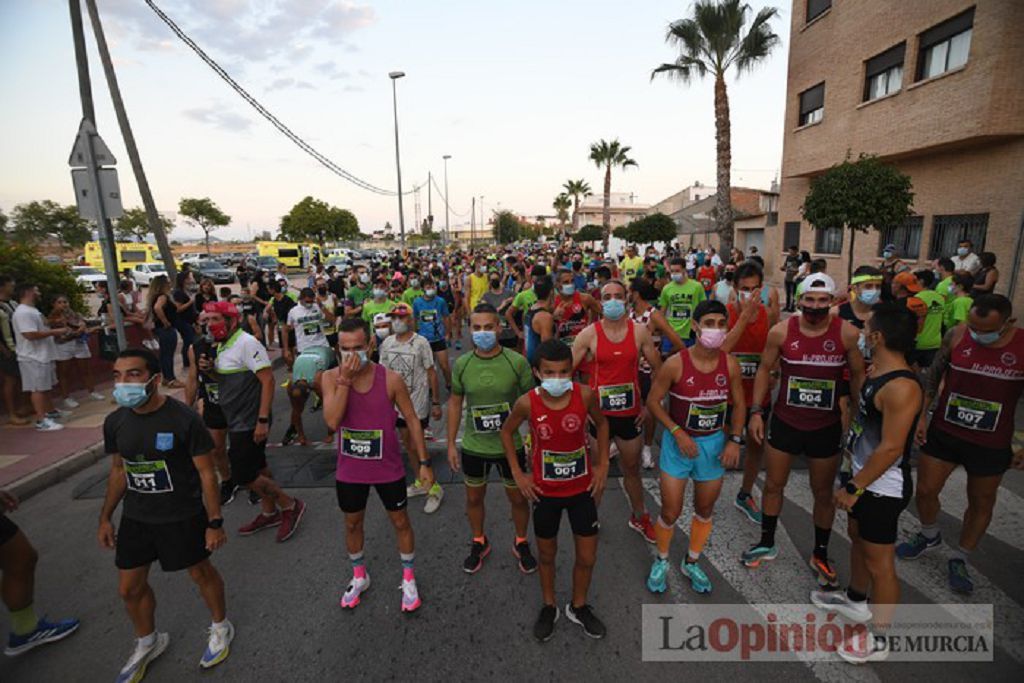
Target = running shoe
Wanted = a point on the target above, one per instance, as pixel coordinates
(290, 435)
(355, 589)
(959, 580)
(45, 632)
(415, 489)
(434, 498)
(254, 498)
(527, 562)
(917, 546)
(544, 627)
(261, 522)
(97, 396)
(657, 580)
(647, 458)
(135, 669)
(838, 601)
(825, 571)
(290, 520)
(410, 596)
(316, 403)
(71, 403)
(585, 617)
(218, 646)
(855, 648)
(58, 414)
(48, 425)
(699, 581)
(477, 552)
(756, 554)
(643, 526)
(748, 506)
(228, 489)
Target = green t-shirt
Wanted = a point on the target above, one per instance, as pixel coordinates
(372, 307)
(930, 336)
(410, 294)
(677, 302)
(525, 299)
(357, 295)
(489, 387)
(956, 311)
(945, 287)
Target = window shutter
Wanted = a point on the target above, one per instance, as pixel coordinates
(947, 29)
(813, 98)
(885, 61)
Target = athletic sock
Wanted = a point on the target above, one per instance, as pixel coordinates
(358, 564)
(930, 531)
(482, 540)
(24, 621)
(855, 595)
(768, 524)
(407, 566)
(220, 624)
(663, 537)
(521, 539)
(148, 641)
(821, 537)
(700, 531)
(961, 553)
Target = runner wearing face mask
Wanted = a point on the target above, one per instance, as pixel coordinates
(866, 291)
(813, 350)
(359, 291)
(431, 311)
(306, 321)
(499, 299)
(573, 311)
(697, 444)
(379, 303)
(539, 323)
(413, 291)
(615, 344)
(678, 299)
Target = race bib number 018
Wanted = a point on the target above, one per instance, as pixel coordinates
(818, 394)
(148, 477)
(972, 413)
(488, 419)
(560, 466)
(363, 444)
(706, 418)
(617, 397)
(749, 363)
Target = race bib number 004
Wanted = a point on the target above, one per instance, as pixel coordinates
(488, 419)
(972, 413)
(148, 477)
(817, 394)
(617, 397)
(363, 444)
(706, 418)
(560, 466)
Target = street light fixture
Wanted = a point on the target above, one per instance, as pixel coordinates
(394, 76)
(447, 209)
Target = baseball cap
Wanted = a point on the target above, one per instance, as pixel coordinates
(224, 308)
(908, 280)
(401, 310)
(818, 282)
(381, 318)
(890, 247)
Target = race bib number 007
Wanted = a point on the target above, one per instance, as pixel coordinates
(706, 418)
(617, 397)
(148, 477)
(363, 444)
(488, 419)
(817, 394)
(559, 466)
(972, 413)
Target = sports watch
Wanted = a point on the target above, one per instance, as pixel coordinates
(216, 523)
(852, 489)
(737, 439)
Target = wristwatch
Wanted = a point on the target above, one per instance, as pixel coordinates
(215, 523)
(424, 463)
(852, 489)
(263, 420)
(737, 439)
(755, 410)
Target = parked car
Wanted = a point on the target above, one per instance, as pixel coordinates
(143, 273)
(268, 263)
(215, 270)
(87, 276)
(342, 263)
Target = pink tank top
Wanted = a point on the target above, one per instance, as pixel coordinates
(368, 446)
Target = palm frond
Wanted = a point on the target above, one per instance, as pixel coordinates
(759, 41)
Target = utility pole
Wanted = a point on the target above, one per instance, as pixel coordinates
(394, 76)
(472, 224)
(430, 203)
(447, 208)
(156, 225)
(483, 225)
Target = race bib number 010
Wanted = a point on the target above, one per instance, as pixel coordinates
(706, 418)
(148, 477)
(560, 466)
(972, 413)
(818, 394)
(488, 419)
(617, 397)
(363, 444)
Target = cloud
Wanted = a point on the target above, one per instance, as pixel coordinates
(354, 88)
(286, 83)
(331, 71)
(218, 117)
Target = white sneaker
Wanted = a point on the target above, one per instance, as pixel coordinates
(837, 601)
(70, 403)
(58, 414)
(861, 648)
(647, 458)
(97, 396)
(355, 588)
(135, 669)
(415, 489)
(218, 646)
(434, 498)
(48, 425)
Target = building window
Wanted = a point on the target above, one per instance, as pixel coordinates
(773, 218)
(812, 105)
(828, 240)
(791, 235)
(815, 8)
(949, 231)
(945, 47)
(883, 74)
(906, 237)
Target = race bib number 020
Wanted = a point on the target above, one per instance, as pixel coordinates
(559, 466)
(817, 394)
(617, 397)
(148, 477)
(488, 419)
(973, 413)
(363, 444)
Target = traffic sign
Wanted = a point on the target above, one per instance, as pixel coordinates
(79, 152)
(110, 193)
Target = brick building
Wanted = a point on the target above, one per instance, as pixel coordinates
(935, 88)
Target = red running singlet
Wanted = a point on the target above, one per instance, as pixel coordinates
(698, 402)
(560, 461)
(812, 368)
(615, 376)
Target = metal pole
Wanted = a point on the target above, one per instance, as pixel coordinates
(483, 225)
(472, 224)
(398, 163)
(447, 209)
(430, 203)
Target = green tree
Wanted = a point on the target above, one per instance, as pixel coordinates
(35, 221)
(715, 38)
(589, 233)
(576, 189)
(607, 155)
(507, 227)
(264, 236)
(859, 195)
(21, 262)
(313, 220)
(3, 221)
(133, 226)
(654, 228)
(203, 214)
(561, 206)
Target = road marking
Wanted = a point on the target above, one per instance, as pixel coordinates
(1007, 519)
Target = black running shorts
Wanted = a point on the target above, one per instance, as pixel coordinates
(247, 457)
(477, 468)
(878, 516)
(177, 545)
(622, 427)
(978, 461)
(547, 515)
(352, 497)
(815, 443)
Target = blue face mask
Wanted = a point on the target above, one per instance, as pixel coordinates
(556, 386)
(870, 296)
(130, 395)
(613, 309)
(986, 338)
(485, 340)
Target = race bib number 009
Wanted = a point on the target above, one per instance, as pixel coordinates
(817, 394)
(488, 419)
(363, 444)
(148, 477)
(706, 418)
(972, 413)
(560, 466)
(617, 397)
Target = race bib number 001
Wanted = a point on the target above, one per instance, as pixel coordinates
(818, 394)
(148, 477)
(488, 419)
(617, 397)
(363, 444)
(706, 418)
(560, 466)
(973, 413)
(749, 363)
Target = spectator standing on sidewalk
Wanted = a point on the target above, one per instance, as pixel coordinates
(9, 352)
(790, 267)
(36, 355)
(72, 349)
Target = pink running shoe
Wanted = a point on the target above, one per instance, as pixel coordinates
(355, 589)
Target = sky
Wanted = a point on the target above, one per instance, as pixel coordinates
(514, 90)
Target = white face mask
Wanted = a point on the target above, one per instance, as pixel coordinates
(400, 326)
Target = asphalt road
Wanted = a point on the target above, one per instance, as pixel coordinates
(283, 599)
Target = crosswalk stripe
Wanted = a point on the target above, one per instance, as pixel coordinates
(1007, 519)
(928, 574)
(785, 580)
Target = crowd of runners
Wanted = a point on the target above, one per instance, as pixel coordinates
(578, 360)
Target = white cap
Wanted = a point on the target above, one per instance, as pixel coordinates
(381, 318)
(818, 282)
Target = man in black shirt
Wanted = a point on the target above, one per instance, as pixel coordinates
(280, 304)
(162, 469)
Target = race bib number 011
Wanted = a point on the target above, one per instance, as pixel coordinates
(148, 477)
(749, 363)
(488, 419)
(973, 413)
(560, 466)
(818, 394)
(617, 397)
(363, 444)
(706, 418)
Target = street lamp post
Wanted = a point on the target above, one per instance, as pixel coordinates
(394, 76)
(483, 223)
(447, 209)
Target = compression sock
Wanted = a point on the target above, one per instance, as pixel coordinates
(407, 568)
(700, 531)
(663, 535)
(24, 621)
(821, 537)
(768, 524)
(358, 564)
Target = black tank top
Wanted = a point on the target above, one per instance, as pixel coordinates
(866, 433)
(846, 312)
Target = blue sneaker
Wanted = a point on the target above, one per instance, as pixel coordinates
(657, 579)
(699, 581)
(134, 669)
(756, 554)
(45, 632)
(218, 647)
(748, 506)
(959, 579)
(916, 546)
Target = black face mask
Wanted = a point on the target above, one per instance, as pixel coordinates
(813, 314)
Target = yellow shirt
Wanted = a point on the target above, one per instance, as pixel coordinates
(477, 288)
(631, 267)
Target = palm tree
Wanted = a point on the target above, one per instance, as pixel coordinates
(561, 205)
(575, 189)
(710, 42)
(605, 155)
